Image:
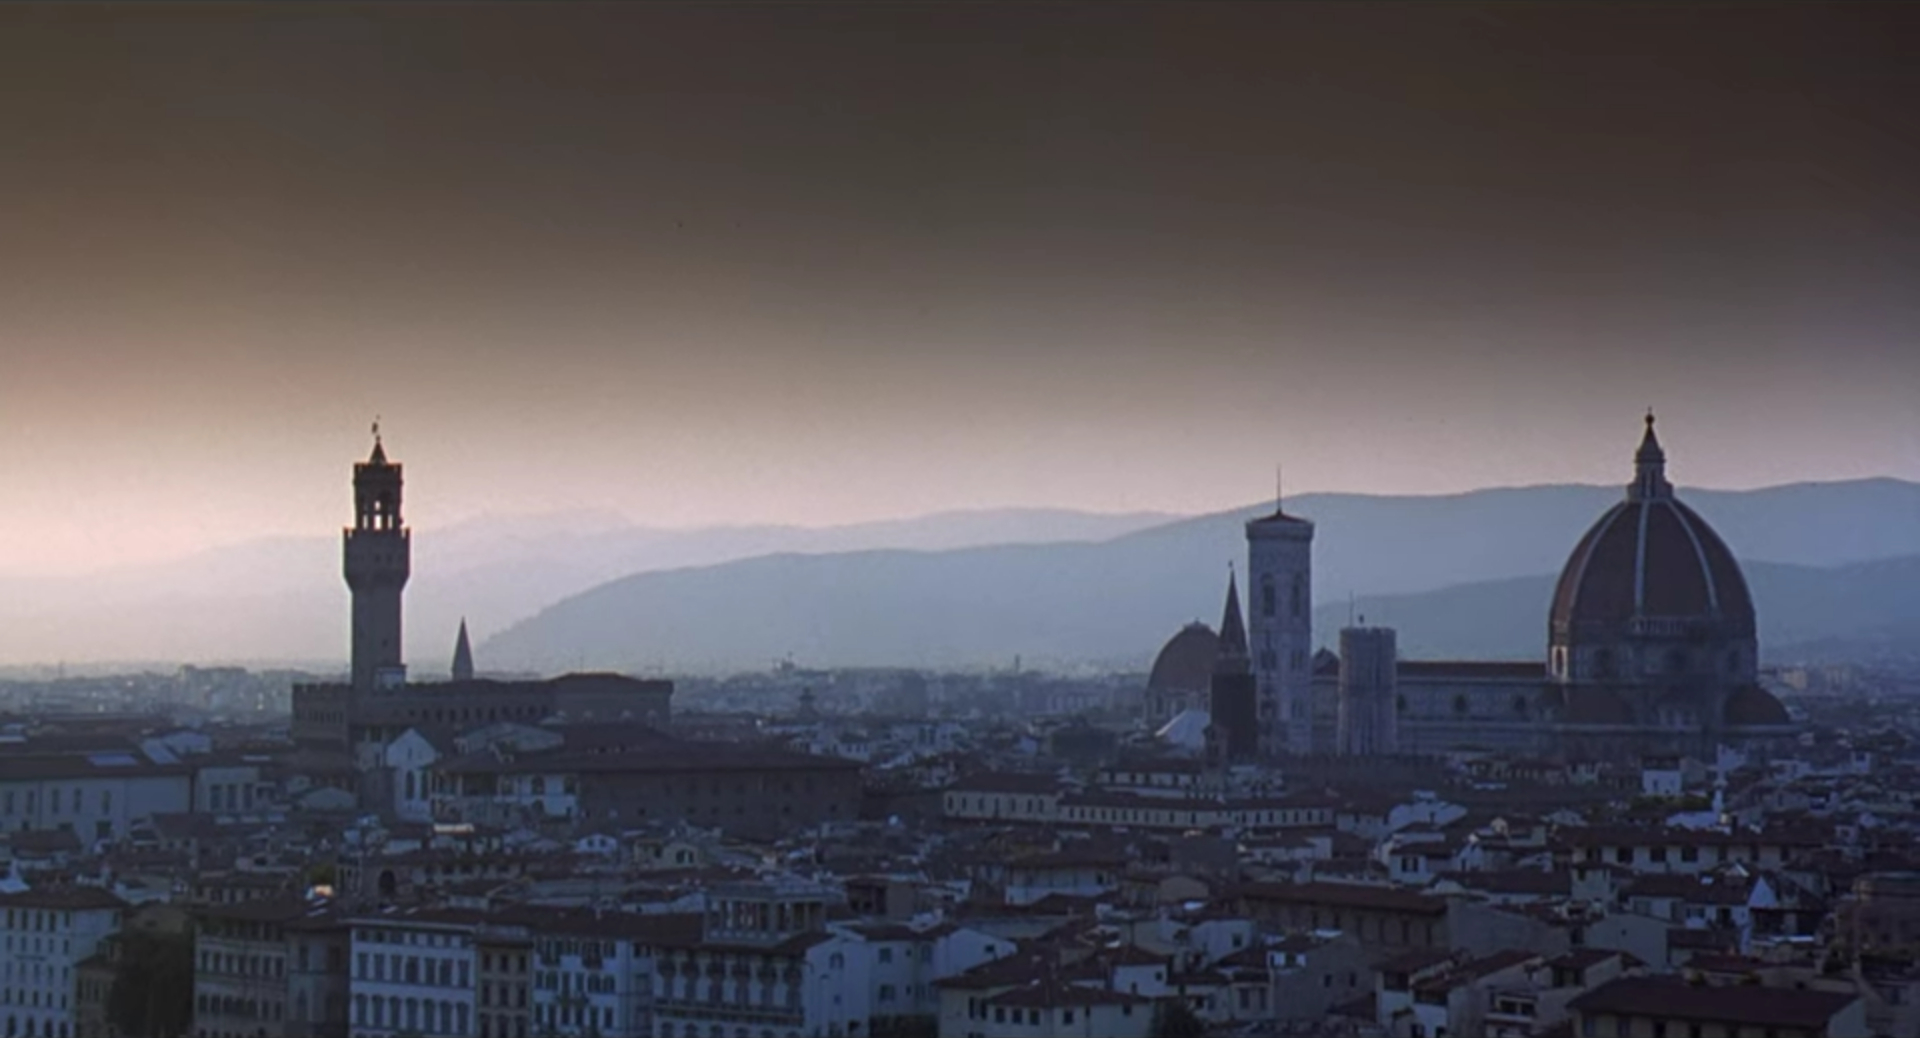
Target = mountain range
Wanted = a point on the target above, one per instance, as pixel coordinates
(1463, 575)
(1459, 575)
(282, 599)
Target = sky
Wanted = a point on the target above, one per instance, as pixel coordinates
(814, 264)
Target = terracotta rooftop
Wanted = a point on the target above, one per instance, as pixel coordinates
(1744, 1005)
(1346, 895)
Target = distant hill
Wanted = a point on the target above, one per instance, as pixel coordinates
(1486, 557)
(283, 599)
(1803, 611)
(1097, 588)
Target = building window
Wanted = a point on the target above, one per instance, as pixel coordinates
(1297, 602)
(1266, 599)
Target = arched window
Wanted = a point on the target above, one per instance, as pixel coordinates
(1520, 705)
(1266, 595)
(1460, 705)
(1399, 704)
(1298, 600)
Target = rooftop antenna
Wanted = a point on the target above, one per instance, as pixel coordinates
(1278, 485)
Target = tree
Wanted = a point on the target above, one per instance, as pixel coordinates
(1175, 1019)
(152, 993)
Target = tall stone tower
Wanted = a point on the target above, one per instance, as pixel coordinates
(1369, 670)
(1280, 569)
(378, 562)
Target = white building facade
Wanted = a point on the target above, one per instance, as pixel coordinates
(413, 974)
(43, 936)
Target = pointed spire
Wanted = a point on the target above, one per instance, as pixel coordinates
(1233, 655)
(379, 456)
(1650, 467)
(462, 655)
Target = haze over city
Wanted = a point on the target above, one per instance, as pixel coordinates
(959, 520)
(818, 264)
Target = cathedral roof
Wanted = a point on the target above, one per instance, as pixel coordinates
(1187, 729)
(1186, 661)
(1597, 705)
(1651, 556)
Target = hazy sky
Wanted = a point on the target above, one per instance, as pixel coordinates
(786, 263)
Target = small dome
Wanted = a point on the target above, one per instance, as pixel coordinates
(1185, 663)
(1753, 705)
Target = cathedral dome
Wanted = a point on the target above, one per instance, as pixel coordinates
(1186, 661)
(1650, 557)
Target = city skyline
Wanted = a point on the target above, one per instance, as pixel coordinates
(818, 265)
(959, 520)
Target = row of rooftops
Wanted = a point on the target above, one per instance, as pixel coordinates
(672, 756)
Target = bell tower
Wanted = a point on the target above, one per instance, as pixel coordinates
(378, 554)
(1280, 607)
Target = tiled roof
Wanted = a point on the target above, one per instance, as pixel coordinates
(1052, 994)
(76, 899)
(1346, 895)
(1743, 1005)
(669, 757)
